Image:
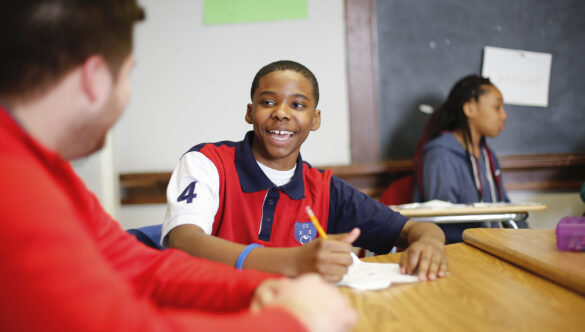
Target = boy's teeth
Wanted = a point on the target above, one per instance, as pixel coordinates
(281, 132)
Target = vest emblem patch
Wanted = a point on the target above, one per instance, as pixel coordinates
(305, 232)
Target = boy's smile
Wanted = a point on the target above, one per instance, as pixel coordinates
(282, 114)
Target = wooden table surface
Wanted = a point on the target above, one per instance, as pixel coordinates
(534, 250)
(481, 293)
(463, 210)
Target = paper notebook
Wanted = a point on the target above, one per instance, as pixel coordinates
(372, 276)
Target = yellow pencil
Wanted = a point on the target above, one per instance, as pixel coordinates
(316, 223)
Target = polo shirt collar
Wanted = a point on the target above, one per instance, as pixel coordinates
(253, 179)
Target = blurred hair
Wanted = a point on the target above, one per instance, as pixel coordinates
(450, 117)
(42, 40)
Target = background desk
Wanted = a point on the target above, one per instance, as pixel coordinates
(534, 250)
(482, 293)
(459, 214)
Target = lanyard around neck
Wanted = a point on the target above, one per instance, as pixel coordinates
(476, 176)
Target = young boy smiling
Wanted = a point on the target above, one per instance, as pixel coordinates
(243, 203)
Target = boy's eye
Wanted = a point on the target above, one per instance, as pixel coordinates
(267, 102)
(298, 105)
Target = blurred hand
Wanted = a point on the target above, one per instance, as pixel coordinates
(426, 257)
(315, 303)
(329, 257)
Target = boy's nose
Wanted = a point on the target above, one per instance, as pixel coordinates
(504, 114)
(281, 112)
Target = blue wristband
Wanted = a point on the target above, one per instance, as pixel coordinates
(245, 253)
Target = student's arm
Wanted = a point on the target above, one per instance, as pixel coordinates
(188, 227)
(248, 300)
(72, 272)
(192, 194)
(425, 254)
(330, 258)
(383, 228)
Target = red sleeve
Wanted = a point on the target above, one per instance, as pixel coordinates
(64, 272)
(172, 277)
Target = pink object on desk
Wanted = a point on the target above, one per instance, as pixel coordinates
(571, 234)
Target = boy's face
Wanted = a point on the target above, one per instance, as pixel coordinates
(282, 114)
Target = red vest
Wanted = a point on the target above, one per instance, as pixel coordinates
(252, 210)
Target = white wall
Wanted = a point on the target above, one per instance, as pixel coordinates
(191, 85)
(98, 173)
(558, 205)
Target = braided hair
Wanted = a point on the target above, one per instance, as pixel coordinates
(450, 117)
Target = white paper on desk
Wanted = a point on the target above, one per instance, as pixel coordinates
(371, 276)
(433, 204)
(489, 204)
(498, 204)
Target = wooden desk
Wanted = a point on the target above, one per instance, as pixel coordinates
(534, 250)
(482, 293)
(494, 212)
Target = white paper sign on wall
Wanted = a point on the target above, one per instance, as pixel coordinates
(523, 77)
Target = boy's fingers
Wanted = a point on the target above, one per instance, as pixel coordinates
(402, 263)
(342, 259)
(410, 260)
(349, 237)
(443, 269)
(423, 265)
(332, 271)
(434, 268)
(332, 278)
(352, 236)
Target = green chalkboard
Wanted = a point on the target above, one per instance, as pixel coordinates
(425, 46)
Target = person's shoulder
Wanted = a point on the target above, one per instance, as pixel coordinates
(214, 151)
(316, 178)
(446, 143)
(212, 145)
(316, 172)
(20, 174)
(446, 139)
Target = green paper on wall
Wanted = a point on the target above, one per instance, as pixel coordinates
(237, 11)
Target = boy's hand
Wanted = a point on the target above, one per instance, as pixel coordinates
(316, 304)
(426, 256)
(329, 257)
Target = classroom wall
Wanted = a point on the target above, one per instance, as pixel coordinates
(444, 41)
(558, 205)
(191, 84)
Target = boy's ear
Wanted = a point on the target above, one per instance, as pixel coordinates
(96, 81)
(316, 120)
(249, 114)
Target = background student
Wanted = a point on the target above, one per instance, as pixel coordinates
(225, 199)
(453, 161)
(67, 265)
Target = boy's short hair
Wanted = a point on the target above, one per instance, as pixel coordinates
(286, 65)
(42, 40)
